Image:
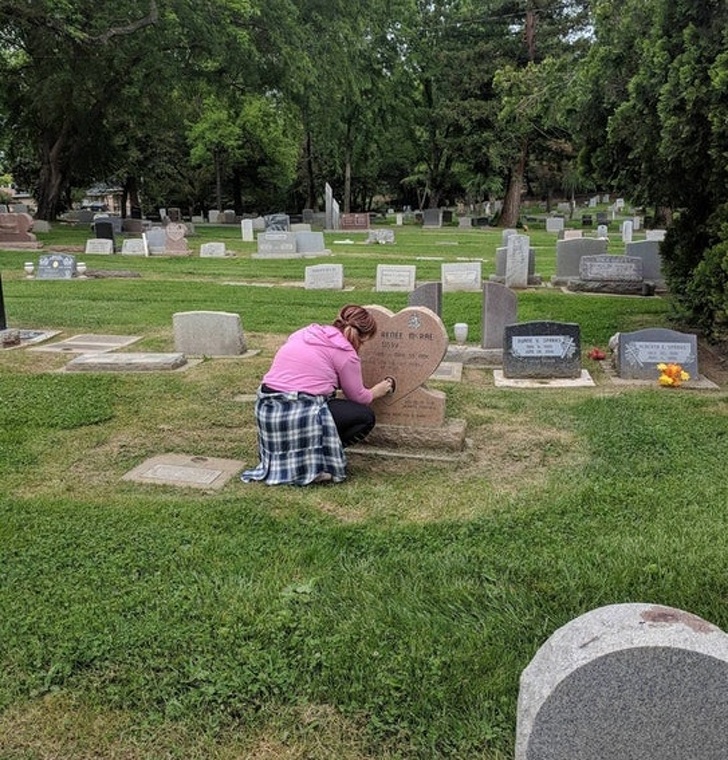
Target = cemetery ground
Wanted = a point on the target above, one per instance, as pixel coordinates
(386, 617)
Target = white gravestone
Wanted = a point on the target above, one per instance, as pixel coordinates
(396, 278)
(324, 277)
(461, 276)
(99, 245)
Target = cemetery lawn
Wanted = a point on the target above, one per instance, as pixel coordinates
(386, 617)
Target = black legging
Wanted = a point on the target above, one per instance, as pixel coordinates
(354, 421)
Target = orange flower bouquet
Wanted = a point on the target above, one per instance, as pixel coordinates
(672, 375)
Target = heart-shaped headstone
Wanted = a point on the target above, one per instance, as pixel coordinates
(176, 231)
(408, 346)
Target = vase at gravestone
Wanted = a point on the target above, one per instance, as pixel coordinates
(208, 333)
(408, 346)
(542, 350)
(56, 266)
(627, 681)
(639, 353)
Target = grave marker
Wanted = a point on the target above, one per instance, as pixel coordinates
(213, 250)
(641, 351)
(396, 278)
(99, 246)
(461, 276)
(500, 306)
(324, 277)
(56, 266)
(542, 350)
(134, 247)
(208, 333)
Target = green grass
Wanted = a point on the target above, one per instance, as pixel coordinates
(386, 617)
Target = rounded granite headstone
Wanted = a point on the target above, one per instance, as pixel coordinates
(627, 681)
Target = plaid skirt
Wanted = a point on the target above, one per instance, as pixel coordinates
(297, 440)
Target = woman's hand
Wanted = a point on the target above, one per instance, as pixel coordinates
(384, 387)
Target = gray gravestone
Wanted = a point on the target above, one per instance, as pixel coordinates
(500, 306)
(432, 217)
(569, 253)
(542, 350)
(429, 295)
(208, 333)
(396, 278)
(640, 352)
(649, 252)
(134, 247)
(611, 268)
(310, 243)
(277, 223)
(277, 245)
(156, 239)
(324, 277)
(627, 682)
(105, 229)
(56, 266)
(213, 250)
(554, 224)
(99, 246)
(382, 237)
(517, 261)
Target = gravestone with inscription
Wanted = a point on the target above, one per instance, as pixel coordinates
(277, 245)
(277, 223)
(208, 333)
(56, 266)
(213, 250)
(623, 682)
(409, 346)
(638, 353)
(608, 273)
(354, 222)
(99, 246)
(175, 242)
(432, 218)
(324, 277)
(542, 350)
(396, 277)
(517, 261)
(156, 239)
(554, 223)
(466, 275)
(134, 247)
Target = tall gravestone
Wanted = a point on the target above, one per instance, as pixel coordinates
(568, 256)
(429, 295)
(500, 305)
(627, 681)
(409, 346)
(517, 261)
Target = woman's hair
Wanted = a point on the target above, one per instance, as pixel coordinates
(356, 323)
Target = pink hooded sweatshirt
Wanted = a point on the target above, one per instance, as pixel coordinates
(318, 359)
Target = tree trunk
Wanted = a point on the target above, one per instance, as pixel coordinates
(347, 182)
(218, 180)
(311, 201)
(512, 202)
(52, 178)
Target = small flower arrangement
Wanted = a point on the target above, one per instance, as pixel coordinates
(672, 375)
(597, 354)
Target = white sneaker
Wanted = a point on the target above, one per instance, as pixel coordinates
(323, 477)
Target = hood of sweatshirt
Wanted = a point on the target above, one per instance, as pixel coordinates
(326, 335)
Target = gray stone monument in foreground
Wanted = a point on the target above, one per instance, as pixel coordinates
(627, 682)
